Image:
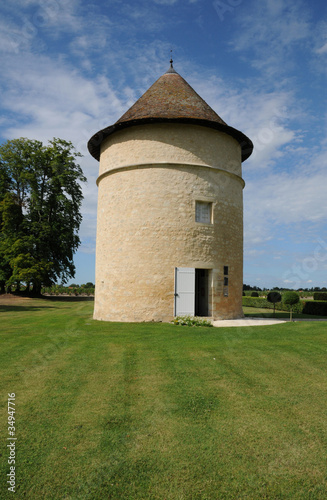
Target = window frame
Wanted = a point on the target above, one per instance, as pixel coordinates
(209, 203)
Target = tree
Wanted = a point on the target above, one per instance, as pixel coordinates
(40, 200)
(290, 299)
(273, 298)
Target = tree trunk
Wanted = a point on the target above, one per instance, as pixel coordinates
(36, 288)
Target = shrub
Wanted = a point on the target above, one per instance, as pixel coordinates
(254, 294)
(262, 303)
(89, 284)
(273, 298)
(191, 321)
(320, 296)
(315, 307)
(290, 299)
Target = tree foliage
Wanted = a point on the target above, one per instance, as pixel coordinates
(273, 298)
(40, 200)
(290, 299)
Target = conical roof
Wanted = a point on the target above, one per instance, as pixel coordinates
(170, 99)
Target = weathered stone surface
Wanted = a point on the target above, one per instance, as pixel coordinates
(150, 178)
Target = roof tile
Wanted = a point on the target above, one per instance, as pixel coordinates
(171, 97)
(172, 100)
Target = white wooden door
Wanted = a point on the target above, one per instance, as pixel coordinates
(184, 291)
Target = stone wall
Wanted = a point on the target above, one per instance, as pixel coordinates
(150, 178)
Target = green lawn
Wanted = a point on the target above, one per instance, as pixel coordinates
(156, 411)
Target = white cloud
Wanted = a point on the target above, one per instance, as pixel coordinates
(31, 26)
(285, 179)
(270, 29)
(54, 100)
(97, 63)
(264, 116)
(286, 198)
(286, 203)
(55, 13)
(322, 49)
(47, 96)
(54, 97)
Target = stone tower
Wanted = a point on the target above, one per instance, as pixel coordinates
(170, 209)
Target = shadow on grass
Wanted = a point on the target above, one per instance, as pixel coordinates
(269, 315)
(62, 298)
(12, 302)
(17, 308)
(282, 315)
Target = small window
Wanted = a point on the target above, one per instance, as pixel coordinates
(225, 270)
(225, 281)
(203, 211)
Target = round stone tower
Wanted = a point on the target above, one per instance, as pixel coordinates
(170, 209)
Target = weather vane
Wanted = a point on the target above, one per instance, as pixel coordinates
(171, 58)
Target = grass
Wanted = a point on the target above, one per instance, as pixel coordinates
(157, 411)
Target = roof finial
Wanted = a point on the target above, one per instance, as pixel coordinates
(171, 69)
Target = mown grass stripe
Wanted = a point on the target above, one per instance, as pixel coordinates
(155, 411)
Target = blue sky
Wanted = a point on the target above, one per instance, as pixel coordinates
(72, 68)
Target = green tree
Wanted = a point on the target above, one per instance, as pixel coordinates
(40, 200)
(290, 299)
(273, 298)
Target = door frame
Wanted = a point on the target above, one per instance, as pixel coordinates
(177, 292)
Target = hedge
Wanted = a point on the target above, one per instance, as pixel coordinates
(256, 302)
(318, 308)
(315, 307)
(264, 304)
(320, 296)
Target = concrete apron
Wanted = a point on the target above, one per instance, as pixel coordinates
(248, 322)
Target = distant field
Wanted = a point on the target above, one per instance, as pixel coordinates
(156, 411)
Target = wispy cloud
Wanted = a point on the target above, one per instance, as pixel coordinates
(72, 68)
(289, 205)
(271, 29)
(265, 116)
(55, 100)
